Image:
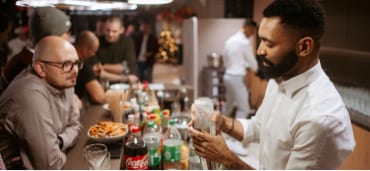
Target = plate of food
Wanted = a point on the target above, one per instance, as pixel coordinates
(107, 131)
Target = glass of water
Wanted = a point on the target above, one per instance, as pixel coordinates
(97, 156)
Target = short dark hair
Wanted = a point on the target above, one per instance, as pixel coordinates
(249, 22)
(306, 16)
(115, 18)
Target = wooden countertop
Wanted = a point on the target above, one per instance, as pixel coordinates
(75, 159)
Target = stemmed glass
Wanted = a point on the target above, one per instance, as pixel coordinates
(97, 156)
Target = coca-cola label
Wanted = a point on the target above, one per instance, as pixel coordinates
(136, 162)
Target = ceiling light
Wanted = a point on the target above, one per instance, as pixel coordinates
(149, 2)
(79, 4)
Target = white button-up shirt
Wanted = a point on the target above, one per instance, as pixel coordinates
(238, 55)
(301, 124)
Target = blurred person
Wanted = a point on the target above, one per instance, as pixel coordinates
(131, 30)
(39, 119)
(302, 122)
(238, 57)
(86, 45)
(18, 43)
(115, 50)
(147, 47)
(99, 26)
(5, 28)
(44, 21)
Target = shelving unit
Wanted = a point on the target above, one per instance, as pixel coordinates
(211, 83)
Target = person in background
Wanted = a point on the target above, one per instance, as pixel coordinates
(116, 53)
(5, 28)
(238, 57)
(147, 47)
(86, 45)
(44, 21)
(99, 26)
(39, 119)
(19, 42)
(302, 122)
(131, 30)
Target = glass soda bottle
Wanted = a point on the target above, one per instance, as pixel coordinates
(152, 140)
(172, 147)
(135, 151)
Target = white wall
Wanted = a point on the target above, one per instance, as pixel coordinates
(201, 37)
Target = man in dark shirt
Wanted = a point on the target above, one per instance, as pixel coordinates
(146, 44)
(87, 85)
(115, 50)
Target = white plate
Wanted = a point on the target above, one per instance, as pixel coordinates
(119, 86)
(156, 86)
(108, 140)
(107, 108)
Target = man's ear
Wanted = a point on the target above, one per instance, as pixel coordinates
(39, 68)
(305, 46)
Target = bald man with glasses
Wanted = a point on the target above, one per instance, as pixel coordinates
(39, 120)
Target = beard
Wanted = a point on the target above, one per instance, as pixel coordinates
(271, 70)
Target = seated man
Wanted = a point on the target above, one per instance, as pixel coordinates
(115, 59)
(87, 85)
(38, 117)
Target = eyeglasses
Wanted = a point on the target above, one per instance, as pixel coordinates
(66, 66)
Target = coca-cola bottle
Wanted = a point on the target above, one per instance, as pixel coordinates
(135, 151)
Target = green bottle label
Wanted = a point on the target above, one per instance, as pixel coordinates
(154, 157)
(172, 153)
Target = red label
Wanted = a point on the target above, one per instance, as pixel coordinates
(136, 162)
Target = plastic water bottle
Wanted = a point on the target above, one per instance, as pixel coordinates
(152, 140)
(172, 147)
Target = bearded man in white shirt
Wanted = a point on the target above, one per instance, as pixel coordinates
(302, 122)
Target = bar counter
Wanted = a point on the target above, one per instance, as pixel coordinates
(75, 159)
(93, 114)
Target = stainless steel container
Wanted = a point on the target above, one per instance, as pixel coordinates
(214, 60)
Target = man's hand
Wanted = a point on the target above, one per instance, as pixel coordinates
(210, 147)
(214, 148)
(132, 79)
(218, 119)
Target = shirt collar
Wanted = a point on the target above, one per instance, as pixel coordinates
(52, 89)
(293, 85)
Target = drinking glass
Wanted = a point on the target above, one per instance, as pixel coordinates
(115, 101)
(204, 111)
(97, 156)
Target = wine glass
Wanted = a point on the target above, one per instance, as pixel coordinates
(96, 155)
